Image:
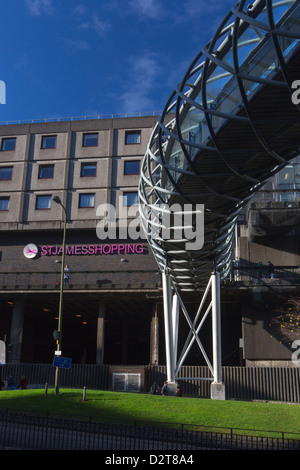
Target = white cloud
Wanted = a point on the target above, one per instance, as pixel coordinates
(148, 8)
(203, 7)
(79, 10)
(142, 77)
(37, 7)
(74, 45)
(95, 24)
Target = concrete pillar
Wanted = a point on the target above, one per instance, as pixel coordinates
(154, 335)
(100, 332)
(16, 332)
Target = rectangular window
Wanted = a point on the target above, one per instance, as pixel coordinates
(88, 169)
(8, 143)
(87, 200)
(130, 198)
(132, 167)
(132, 137)
(46, 171)
(49, 142)
(6, 172)
(90, 140)
(4, 203)
(43, 202)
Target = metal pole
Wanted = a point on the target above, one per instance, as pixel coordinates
(60, 311)
(175, 320)
(167, 298)
(216, 327)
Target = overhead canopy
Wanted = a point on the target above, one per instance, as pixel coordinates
(228, 127)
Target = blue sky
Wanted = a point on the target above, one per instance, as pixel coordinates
(69, 58)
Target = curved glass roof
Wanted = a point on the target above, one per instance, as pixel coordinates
(228, 126)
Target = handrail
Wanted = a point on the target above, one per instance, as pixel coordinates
(81, 118)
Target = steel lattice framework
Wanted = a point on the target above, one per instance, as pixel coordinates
(226, 129)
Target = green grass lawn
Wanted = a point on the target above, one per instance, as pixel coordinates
(120, 407)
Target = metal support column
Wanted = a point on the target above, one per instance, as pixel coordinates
(217, 386)
(169, 332)
(175, 320)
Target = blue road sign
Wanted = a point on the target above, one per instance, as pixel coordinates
(63, 362)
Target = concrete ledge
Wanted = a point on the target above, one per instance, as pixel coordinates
(217, 391)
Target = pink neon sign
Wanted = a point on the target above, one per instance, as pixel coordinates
(76, 250)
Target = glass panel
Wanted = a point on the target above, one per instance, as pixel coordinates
(86, 200)
(133, 137)
(6, 173)
(132, 168)
(43, 202)
(48, 141)
(90, 140)
(8, 144)
(4, 203)
(130, 198)
(88, 169)
(46, 171)
(286, 176)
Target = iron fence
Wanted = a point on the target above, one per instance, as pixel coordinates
(33, 432)
(244, 383)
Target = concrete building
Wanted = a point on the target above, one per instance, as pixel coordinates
(112, 309)
(108, 306)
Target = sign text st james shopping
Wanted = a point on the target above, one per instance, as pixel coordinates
(31, 250)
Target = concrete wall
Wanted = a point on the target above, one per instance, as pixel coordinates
(67, 157)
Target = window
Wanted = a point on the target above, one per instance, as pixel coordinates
(132, 137)
(46, 171)
(130, 198)
(6, 172)
(4, 203)
(43, 202)
(49, 142)
(88, 169)
(90, 140)
(8, 143)
(132, 167)
(87, 200)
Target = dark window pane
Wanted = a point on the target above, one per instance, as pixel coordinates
(8, 143)
(43, 202)
(90, 140)
(46, 171)
(132, 168)
(88, 169)
(86, 200)
(49, 142)
(4, 203)
(133, 137)
(6, 172)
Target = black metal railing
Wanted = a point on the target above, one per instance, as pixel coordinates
(20, 430)
(256, 274)
(150, 279)
(28, 280)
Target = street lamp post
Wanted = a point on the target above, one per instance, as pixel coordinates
(60, 311)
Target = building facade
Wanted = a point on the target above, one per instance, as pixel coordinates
(109, 302)
(112, 301)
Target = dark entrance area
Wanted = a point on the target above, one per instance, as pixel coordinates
(126, 327)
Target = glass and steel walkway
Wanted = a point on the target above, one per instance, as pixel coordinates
(229, 126)
(226, 129)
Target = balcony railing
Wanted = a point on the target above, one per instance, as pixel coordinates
(78, 280)
(256, 275)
